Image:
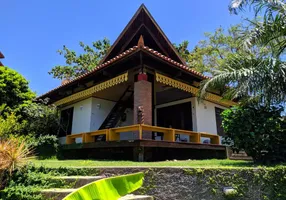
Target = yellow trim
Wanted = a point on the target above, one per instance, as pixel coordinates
(113, 134)
(101, 86)
(188, 88)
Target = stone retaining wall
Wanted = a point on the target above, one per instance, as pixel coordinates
(207, 184)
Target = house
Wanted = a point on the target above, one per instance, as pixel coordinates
(140, 103)
(1, 57)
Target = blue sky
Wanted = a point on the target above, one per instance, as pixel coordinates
(32, 31)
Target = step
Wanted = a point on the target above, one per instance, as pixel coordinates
(240, 158)
(136, 197)
(59, 194)
(238, 155)
(79, 181)
(56, 193)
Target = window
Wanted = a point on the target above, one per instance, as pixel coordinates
(218, 117)
(66, 122)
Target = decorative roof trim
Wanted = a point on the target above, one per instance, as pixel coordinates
(125, 54)
(122, 55)
(191, 89)
(99, 87)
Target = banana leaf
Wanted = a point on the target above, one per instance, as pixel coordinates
(109, 188)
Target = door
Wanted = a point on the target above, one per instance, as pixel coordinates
(177, 116)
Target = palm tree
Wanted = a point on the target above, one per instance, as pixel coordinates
(262, 78)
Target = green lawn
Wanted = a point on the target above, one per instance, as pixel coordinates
(187, 163)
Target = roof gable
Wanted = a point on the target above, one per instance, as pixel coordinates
(1, 56)
(142, 23)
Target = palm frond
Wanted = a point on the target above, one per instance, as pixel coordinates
(271, 34)
(258, 79)
(258, 5)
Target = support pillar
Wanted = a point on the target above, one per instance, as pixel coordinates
(143, 103)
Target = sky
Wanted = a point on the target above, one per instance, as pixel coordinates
(32, 30)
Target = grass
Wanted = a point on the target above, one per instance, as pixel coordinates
(53, 163)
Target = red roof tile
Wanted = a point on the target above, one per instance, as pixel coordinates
(122, 55)
(186, 68)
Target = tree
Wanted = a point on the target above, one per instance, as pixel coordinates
(261, 78)
(77, 65)
(262, 135)
(267, 31)
(41, 119)
(213, 52)
(14, 91)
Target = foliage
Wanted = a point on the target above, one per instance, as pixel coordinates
(14, 91)
(261, 77)
(77, 65)
(249, 79)
(46, 146)
(109, 188)
(271, 29)
(251, 183)
(42, 119)
(259, 183)
(25, 184)
(10, 126)
(213, 52)
(21, 192)
(38, 131)
(258, 130)
(13, 154)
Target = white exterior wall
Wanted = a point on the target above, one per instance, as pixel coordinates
(88, 115)
(99, 111)
(205, 115)
(81, 116)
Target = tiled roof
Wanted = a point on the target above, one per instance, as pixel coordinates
(187, 68)
(122, 55)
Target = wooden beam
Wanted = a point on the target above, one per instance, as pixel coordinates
(158, 43)
(130, 39)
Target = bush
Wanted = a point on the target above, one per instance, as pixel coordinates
(258, 130)
(42, 119)
(46, 146)
(10, 126)
(43, 146)
(13, 154)
(14, 91)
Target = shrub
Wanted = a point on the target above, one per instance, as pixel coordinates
(258, 130)
(14, 91)
(13, 155)
(42, 119)
(46, 146)
(10, 126)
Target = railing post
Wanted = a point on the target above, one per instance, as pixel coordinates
(113, 135)
(69, 140)
(140, 132)
(173, 133)
(88, 138)
(215, 140)
(110, 134)
(169, 135)
(107, 132)
(195, 138)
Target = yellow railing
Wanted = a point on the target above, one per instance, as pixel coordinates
(113, 134)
